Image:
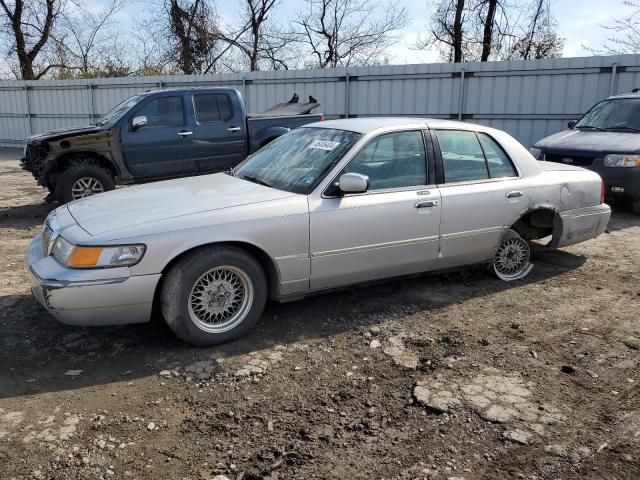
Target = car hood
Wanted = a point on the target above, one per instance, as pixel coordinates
(155, 202)
(64, 133)
(592, 142)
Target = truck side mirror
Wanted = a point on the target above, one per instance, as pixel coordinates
(138, 122)
(571, 123)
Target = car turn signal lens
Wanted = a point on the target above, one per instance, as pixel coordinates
(621, 160)
(85, 257)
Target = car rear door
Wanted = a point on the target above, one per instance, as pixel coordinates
(163, 146)
(482, 194)
(392, 229)
(219, 131)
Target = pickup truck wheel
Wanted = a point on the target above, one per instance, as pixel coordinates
(213, 296)
(84, 180)
(511, 260)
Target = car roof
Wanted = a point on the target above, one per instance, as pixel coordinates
(369, 124)
(187, 89)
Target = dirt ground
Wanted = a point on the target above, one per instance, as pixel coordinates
(455, 376)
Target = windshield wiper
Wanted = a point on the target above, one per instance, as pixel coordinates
(630, 129)
(590, 127)
(256, 180)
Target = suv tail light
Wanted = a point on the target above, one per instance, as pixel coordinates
(321, 118)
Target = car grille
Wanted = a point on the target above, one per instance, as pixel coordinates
(577, 160)
(47, 234)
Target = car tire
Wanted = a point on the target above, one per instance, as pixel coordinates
(83, 180)
(511, 260)
(213, 295)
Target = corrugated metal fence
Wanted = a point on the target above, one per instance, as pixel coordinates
(529, 99)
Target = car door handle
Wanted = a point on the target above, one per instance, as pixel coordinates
(515, 194)
(426, 204)
(184, 134)
(234, 129)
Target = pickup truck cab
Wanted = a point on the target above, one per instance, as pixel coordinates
(157, 135)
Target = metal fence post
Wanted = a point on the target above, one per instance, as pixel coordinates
(92, 105)
(26, 96)
(346, 95)
(614, 71)
(461, 102)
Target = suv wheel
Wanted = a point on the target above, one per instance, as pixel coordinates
(213, 295)
(84, 180)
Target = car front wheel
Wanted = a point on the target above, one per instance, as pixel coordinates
(213, 295)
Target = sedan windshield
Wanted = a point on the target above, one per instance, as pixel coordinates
(613, 115)
(298, 160)
(113, 115)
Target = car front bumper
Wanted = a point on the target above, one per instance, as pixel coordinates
(579, 225)
(91, 296)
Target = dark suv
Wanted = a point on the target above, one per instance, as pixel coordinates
(606, 140)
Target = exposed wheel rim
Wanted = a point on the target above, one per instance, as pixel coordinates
(85, 187)
(511, 261)
(220, 299)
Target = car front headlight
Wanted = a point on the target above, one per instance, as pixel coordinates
(621, 160)
(77, 256)
(536, 152)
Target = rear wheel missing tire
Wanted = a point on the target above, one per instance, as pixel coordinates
(213, 295)
(512, 258)
(83, 180)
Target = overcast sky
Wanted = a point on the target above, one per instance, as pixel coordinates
(579, 22)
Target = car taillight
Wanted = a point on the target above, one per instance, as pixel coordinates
(602, 190)
(321, 119)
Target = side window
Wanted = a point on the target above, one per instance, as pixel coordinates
(392, 160)
(462, 156)
(212, 107)
(497, 160)
(163, 112)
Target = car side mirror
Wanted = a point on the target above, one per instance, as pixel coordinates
(353, 183)
(138, 122)
(571, 123)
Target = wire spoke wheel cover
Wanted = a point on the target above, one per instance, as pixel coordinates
(511, 260)
(85, 187)
(220, 299)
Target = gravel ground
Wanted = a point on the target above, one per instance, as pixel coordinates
(451, 376)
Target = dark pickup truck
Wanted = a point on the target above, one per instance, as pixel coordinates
(157, 135)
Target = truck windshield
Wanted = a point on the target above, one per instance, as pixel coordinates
(298, 160)
(113, 115)
(621, 114)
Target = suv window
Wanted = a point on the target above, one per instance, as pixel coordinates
(163, 112)
(392, 160)
(212, 107)
(497, 160)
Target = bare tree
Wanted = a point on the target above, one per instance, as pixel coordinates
(348, 32)
(623, 33)
(86, 41)
(29, 24)
(537, 36)
(449, 30)
(253, 41)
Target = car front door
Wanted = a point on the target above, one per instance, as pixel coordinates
(163, 145)
(219, 131)
(482, 194)
(391, 229)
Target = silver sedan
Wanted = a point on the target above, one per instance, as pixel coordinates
(332, 204)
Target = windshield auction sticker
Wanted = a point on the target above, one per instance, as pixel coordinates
(324, 145)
